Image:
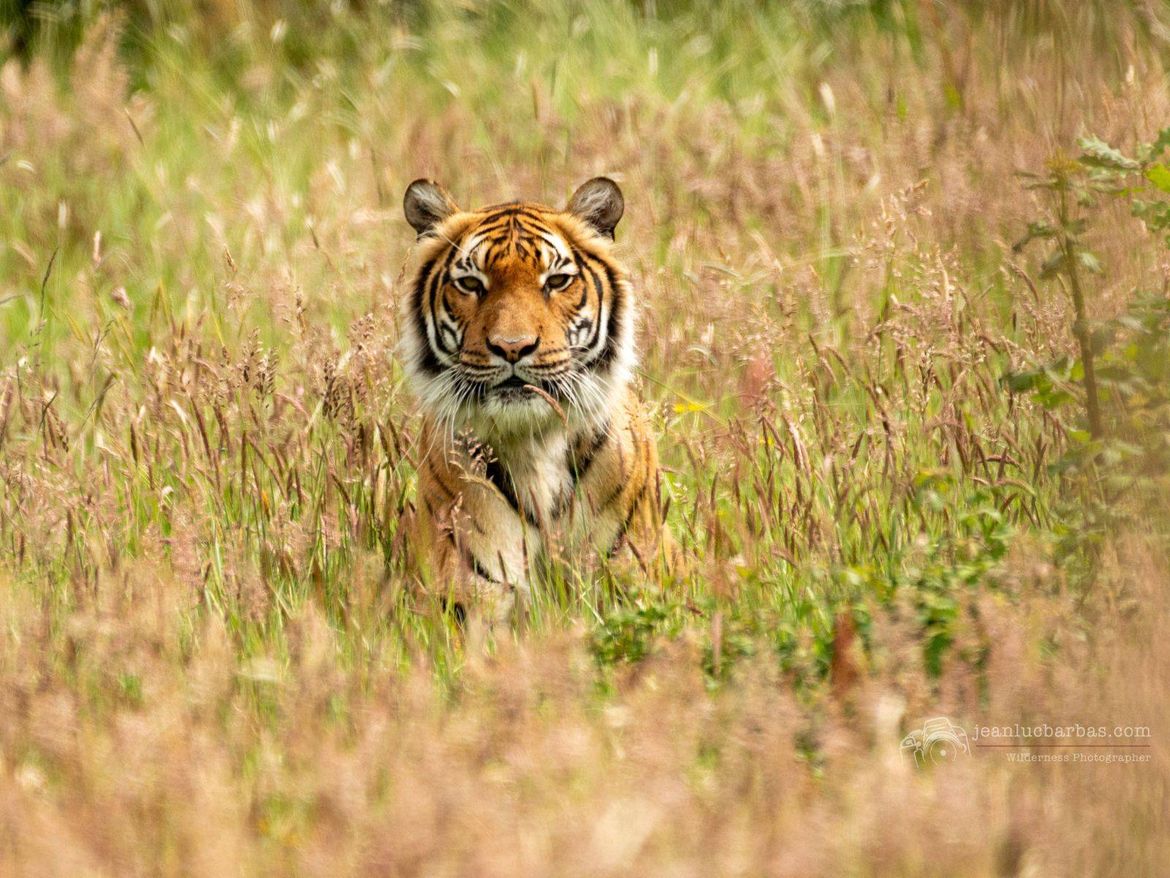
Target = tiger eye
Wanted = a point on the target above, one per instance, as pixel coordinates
(558, 281)
(470, 284)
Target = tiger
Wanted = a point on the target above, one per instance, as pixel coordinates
(517, 337)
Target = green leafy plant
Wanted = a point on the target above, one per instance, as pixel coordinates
(628, 635)
(1123, 363)
(1071, 190)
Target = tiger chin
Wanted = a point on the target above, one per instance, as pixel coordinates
(518, 338)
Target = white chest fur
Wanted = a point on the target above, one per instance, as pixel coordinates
(539, 476)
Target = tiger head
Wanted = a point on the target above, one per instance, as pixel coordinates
(515, 306)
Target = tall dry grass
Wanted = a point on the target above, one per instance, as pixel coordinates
(209, 660)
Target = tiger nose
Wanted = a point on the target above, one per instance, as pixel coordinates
(513, 349)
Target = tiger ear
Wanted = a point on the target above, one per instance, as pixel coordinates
(599, 203)
(426, 204)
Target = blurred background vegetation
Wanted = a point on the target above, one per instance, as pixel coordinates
(875, 244)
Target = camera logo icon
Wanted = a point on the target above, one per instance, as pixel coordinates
(938, 741)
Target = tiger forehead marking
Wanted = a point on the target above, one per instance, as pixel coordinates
(517, 232)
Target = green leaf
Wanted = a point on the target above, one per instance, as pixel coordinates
(1159, 175)
(1099, 154)
(1053, 399)
(1159, 146)
(1018, 382)
(1035, 230)
(1090, 262)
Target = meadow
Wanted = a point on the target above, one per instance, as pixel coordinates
(902, 270)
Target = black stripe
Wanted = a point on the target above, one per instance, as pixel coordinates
(596, 322)
(579, 464)
(506, 218)
(492, 227)
(612, 496)
(428, 361)
(626, 473)
(436, 282)
(584, 290)
(447, 493)
(624, 529)
(617, 302)
(479, 570)
(506, 207)
(457, 610)
(609, 352)
(498, 476)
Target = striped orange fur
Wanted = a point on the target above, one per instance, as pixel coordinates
(518, 336)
